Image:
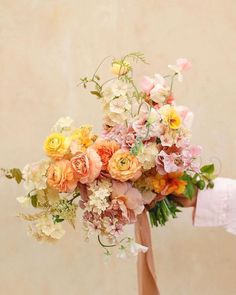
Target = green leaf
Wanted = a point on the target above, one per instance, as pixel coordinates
(98, 94)
(17, 174)
(190, 187)
(34, 201)
(208, 169)
(57, 219)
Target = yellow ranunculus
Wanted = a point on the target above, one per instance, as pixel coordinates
(170, 117)
(56, 145)
(120, 68)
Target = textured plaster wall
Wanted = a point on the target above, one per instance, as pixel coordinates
(45, 46)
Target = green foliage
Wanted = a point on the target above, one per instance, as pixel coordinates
(190, 187)
(162, 212)
(13, 173)
(136, 57)
(34, 201)
(57, 219)
(137, 148)
(208, 169)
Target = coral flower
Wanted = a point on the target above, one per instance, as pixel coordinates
(124, 166)
(105, 149)
(87, 166)
(167, 184)
(61, 176)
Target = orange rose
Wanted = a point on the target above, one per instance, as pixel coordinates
(61, 176)
(87, 165)
(105, 149)
(124, 166)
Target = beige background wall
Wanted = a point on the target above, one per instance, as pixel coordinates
(45, 46)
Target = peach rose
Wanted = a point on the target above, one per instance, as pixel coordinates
(105, 149)
(87, 165)
(61, 176)
(124, 166)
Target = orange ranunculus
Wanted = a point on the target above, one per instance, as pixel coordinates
(105, 149)
(123, 166)
(167, 184)
(87, 165)
(61, 176)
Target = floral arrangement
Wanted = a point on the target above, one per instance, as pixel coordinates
(142, 160)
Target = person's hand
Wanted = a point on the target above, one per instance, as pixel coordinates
(183, 201)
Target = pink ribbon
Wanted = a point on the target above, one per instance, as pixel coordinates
(147, 281)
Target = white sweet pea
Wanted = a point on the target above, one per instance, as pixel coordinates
(153, 116)
(63, 124)
(119, 105)
(136, 248)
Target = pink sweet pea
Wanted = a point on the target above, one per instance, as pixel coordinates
(131, 197)
(183, 64)
(147, 84)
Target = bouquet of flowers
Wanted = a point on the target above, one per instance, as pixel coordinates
(142, 161)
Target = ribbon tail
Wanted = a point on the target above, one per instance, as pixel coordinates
(147, 281)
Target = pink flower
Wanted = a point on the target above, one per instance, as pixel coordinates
(87, 166)
(186, 115)
(168, 163)
(147, 84)
(131, 197)
(190, 155)
(183, 64)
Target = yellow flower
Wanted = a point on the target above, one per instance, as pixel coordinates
(56, 145)
(124, 166)
(170, 117)
(120, 68)
(83, 137)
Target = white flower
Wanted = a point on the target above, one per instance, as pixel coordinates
(119, 105)
(34, 175)
(159, 93)
(130, 248)
(153, 116)
(182, 64)
(24, 201)
(114, 118)
(98, 198)
(136, 248)
(114, 89)
(47, 227)
(122, 253)
(63, 124)
(148, 156)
